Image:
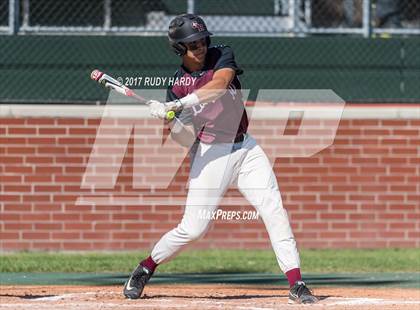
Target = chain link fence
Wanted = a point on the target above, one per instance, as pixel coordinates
(4, 16)
(49, 47)
(226, 17)
(396, 14)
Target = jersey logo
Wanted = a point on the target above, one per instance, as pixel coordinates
(198, 108)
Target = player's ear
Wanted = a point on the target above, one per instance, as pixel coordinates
(178, 48)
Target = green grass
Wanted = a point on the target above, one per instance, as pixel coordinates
(213, 261)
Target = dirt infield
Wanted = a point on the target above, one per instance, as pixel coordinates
(201, 297)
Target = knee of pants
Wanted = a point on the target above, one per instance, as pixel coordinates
(194, 234)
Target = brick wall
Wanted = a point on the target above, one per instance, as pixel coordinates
(362, 191)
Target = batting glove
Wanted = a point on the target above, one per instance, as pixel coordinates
(175, 105)
(188, 101)
(157, 109)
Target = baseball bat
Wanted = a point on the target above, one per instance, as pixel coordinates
(119, 87)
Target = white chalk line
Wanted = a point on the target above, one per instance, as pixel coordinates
(368, 301)
(170, 303)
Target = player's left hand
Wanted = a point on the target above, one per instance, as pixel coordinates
(157, 109)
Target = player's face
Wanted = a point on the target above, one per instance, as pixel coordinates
(197, 50)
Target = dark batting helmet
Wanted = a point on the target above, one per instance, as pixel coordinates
(186, 28)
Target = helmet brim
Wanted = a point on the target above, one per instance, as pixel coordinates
(195, 37)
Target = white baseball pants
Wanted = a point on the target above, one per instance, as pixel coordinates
(214, 168)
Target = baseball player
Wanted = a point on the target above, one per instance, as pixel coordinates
(211, 114)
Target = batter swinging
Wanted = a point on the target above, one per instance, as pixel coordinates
(223, 154)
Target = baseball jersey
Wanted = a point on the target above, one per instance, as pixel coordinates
(219, 121)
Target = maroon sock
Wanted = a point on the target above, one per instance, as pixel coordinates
(293, 276)
(149, 264)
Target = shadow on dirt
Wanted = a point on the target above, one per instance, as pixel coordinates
(29, 296)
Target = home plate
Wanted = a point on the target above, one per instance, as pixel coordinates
(63, 296)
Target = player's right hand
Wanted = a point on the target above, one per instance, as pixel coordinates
(157, 109)
(174, 105)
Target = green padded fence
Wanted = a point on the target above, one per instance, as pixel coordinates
(56, 68)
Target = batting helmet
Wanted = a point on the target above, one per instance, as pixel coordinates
(186, 28)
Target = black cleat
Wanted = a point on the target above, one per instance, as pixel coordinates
(301, 294)
(137, 281)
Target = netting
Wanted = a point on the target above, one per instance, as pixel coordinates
(365, 50)
(4, 13)
(231, 16)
